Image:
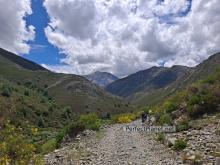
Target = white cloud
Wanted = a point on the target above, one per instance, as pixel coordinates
(13, 30)
(124, 36)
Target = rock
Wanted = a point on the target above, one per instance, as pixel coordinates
(209, 164)
(217, 161)
(171, 141)
(193, 157)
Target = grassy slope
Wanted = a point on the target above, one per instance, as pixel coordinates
(32, 97)
(67, 90)
(152, 97)
(199, 98)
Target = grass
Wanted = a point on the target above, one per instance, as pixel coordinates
(161, 137)
(49, 146)
(180, 144)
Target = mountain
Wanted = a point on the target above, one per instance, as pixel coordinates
(152, 85)
(20, 62)
(69, 90)
(102, 79)
(153, 78)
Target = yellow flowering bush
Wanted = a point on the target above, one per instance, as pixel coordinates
(14, 149)
(34, 131)
(126, 118)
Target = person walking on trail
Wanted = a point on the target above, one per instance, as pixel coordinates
(144, 117)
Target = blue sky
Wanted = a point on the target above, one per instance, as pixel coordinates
(42, 51)
(116, 36)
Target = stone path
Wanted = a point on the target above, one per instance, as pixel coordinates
(115, 147)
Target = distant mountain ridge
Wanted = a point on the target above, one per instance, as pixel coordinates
(150, 86)
(102, 79)
(153, 78)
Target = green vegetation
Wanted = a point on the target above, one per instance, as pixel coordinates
(161, 137)
(183, 125)
(14, 149)
(180, 144)
(6, 91)
(49, 146)
(165, 119)
(90, 121)
(202, 97)
(126, 117)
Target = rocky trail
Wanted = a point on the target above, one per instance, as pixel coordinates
(114, 146)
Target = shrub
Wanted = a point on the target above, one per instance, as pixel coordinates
(59, 137)
(14, 149)
(209, 80)
(194, 99)
(161, 137)
(71, 130)
(90, 121)
(126, 118)
(170, 106)
(41, 122)
(74, 128)
(50, 145)
(26, 93)
(183, 126)
(180, 144)
(6, 91)
(165, 119)
(28, 83)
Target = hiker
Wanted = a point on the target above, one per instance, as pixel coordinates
(144, 117)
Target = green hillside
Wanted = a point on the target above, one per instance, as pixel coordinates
(67, 90)
(152, 96)
(201, 97)
(40, 107)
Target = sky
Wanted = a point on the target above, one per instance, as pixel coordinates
(116, 36)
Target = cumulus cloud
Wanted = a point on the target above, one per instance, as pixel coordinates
(14, 33)
(124, 36)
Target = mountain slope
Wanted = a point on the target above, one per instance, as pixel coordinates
(153, 78)
(67, 90)
(101, 78)
(151, 86)
(19, 61)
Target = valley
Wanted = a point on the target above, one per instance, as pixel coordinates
(68, 119)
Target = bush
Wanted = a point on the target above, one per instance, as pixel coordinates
(180, 144)
(165, 119)
(71, 130)
(26, 93)
(6, 91)
(90, 121)
(126, 118)
(14, 149)
(41, 122)
(59, 137)
(75, 128)
(183, 126)
(170, 106)
(161, 137)
(194, 99)
(49, 146)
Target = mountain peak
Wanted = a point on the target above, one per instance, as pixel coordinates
(101, 78)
